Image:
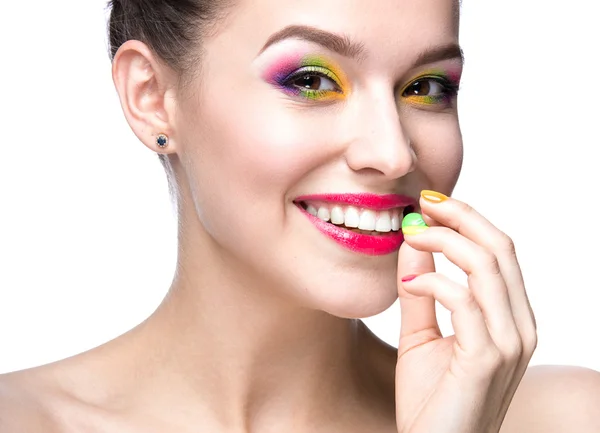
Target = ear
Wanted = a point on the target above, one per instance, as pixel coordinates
(143, 85)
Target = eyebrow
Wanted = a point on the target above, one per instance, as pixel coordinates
(439, 53)
(339, 44)
(342, 44)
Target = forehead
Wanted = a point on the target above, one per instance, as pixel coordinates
(384, 27)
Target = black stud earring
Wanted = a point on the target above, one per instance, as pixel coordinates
(162, 140)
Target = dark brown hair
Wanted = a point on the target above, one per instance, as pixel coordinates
(172, 29)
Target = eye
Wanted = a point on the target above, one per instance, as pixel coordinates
(313, 82)
(426, 87)
(431, 90)
(316, 82)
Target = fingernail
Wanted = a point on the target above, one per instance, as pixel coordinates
(409, 278)
(413, 224)
(433, 196)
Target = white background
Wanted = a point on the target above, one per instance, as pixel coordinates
(87, 231)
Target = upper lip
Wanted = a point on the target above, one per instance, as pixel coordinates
(363, 200)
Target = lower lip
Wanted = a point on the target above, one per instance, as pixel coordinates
(377, 245)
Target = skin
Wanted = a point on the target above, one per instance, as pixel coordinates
(260, 329)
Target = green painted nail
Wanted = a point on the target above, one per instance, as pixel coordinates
(413, 224)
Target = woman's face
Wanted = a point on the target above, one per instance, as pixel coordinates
(320, 97)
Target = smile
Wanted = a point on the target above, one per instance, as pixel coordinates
(364, 223)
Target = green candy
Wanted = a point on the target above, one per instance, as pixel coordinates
(413, 220)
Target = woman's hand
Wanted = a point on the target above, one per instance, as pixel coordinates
(465, 382)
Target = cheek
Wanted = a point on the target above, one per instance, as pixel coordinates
(266, 149)
(255, 153)
(437, 141)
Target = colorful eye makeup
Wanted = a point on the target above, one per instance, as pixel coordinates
(314, 77)
(436, 87)
(309, 76)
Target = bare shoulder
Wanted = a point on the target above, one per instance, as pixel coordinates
(36, 401)
(21, 406)
(556, 399)
(61, 397)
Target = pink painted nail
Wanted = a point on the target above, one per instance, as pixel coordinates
(409, 278)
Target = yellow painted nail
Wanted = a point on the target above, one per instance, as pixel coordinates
(433, 196)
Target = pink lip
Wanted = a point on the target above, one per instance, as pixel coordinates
(357, 242)
(363, 200)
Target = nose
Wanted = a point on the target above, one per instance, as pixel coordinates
(379, 142)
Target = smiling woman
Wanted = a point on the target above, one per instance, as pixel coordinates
(312, 159)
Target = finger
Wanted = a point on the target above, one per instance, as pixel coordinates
(417, 313)
(465, 220)
(468, 321)
(485, 281)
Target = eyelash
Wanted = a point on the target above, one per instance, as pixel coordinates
(312, 71)
(449, 91)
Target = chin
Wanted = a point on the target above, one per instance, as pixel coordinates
(352, 297)
(360, 306)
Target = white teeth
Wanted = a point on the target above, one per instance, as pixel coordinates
(395, 222)
(337, 215)
(323, 213)
(351, 218)
(367, 220)
(384, 222)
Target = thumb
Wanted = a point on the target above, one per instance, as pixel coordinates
(417, 313)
